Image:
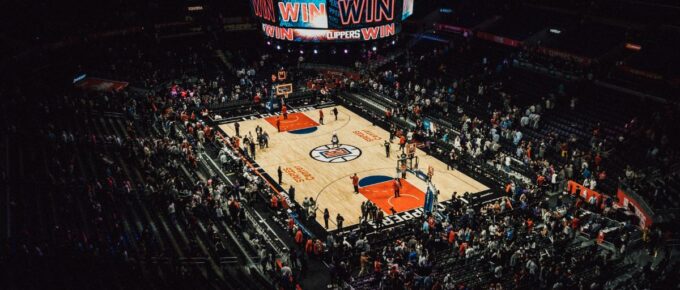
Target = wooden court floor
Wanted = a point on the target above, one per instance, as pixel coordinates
(316, 169)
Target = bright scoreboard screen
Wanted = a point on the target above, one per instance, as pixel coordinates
(331, 20)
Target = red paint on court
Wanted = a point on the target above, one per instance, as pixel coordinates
(295, 121)
(382, 195)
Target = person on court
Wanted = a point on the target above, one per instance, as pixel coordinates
(335, 113)
(387, 149)
(326, 216)
(334, 140)
(284, 111)
(393, 130)
(291, 192)
(260, 141)
(280, 173)
(396, 185)
(402, 142)
(321, 117)
(355, 182)
(237, 127)
(251, 146)
(339, 220)
(278, 124)
(452, 160)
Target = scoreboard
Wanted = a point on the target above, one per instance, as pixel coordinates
(331, 20)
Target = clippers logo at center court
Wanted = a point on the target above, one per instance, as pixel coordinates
(335, 152)
(343, 153)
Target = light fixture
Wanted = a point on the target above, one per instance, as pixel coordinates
(375, 48)
(555, 31)
(278, 47)
(316, 51)
(346, 51)
(633, 46)
(301, 51)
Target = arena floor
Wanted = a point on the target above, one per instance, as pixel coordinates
(304, 152)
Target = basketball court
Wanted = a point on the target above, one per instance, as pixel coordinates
(319, 170)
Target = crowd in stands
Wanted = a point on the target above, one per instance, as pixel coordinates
(465, 102)
(550, 161)
(498, 246)
(145, 156)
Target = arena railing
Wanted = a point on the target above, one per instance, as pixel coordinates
(248, 107)
(277, 248)
(325, 67)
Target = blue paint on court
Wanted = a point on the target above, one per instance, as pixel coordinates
(304, 131)
(373, 179)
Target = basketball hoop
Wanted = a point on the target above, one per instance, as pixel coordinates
(284, 90)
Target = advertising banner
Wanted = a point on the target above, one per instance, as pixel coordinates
(100, 85)
(451, 28)
(564, 55)
(640, 73)
(498, 39)
(632, 201)
(575, 188)
(429, 199)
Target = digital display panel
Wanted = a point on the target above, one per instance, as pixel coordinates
(303, 13)
(331, 20)
(407, 9)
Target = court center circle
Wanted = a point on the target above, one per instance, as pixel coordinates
(331, 154)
